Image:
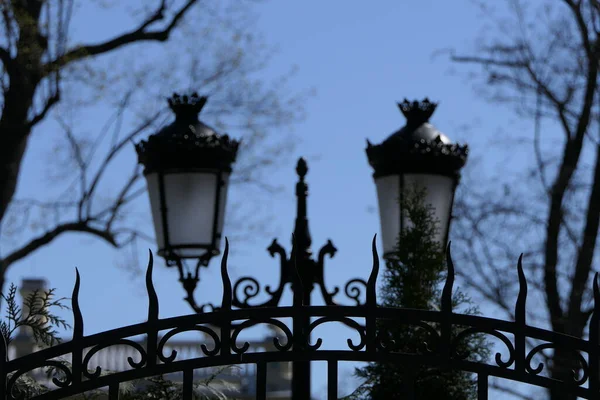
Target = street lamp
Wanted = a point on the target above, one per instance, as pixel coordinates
(187, 167)
(417, 155)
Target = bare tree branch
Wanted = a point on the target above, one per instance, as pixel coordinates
(586, 252)
(81, 164)
(122, 197)
(226, 72)
(50, 102)
(546, 66)
(44, 239)
(137, 35)
(113, 153)
(582, 26)
(536, 146)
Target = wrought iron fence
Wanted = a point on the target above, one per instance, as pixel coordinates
(222, 346)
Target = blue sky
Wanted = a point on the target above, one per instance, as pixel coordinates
(361, 60)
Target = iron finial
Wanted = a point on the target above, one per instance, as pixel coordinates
(301, 167)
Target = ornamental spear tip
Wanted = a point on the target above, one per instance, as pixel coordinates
(301, 167)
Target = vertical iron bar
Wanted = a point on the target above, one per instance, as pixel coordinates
(3, 361)
(225, 328)
(371, 302)
(332, 379)
(401, 199)
(594, 342)
(301, 260)
(153, 309)
(261, 380)
(77, 354)
(446, 310)
(113, 391)
(409, 386)
(188, 381)
(520, 320)
(301, 324)
(482, 386)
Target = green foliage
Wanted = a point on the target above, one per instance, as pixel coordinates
(413, 280)
(43, 323)
(39, 318)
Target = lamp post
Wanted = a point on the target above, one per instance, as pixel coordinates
(187, 166)
(417, 155)
(302, 271)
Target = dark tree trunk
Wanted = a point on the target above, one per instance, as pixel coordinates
(12, 150)
(565, 367)
(14, 135)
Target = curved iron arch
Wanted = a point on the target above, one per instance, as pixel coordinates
(517, 366)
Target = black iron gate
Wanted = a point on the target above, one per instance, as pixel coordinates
(516, 363)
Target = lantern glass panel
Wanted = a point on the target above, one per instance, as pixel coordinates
(222, 204)
(388, 194)
(439, 191)
(190, 200)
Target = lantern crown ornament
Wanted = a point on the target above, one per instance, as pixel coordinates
(418, 146)
(417, 156)
(187, 142)
(417, 113)
(186, 107)
(187, 167)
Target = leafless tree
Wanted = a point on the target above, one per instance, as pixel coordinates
(51, 88)
(540, 57)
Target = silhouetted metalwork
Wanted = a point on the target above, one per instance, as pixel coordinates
(221, 346)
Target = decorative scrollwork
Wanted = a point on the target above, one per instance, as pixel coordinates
(95, 349)
(330, 250)
(360, 329)
(498, 357)
(250, 289)
(66, 381)
(275, 248)
(199, 328)
(354, 291)
(249, 323)
(210, 306)
(384, 341)
(431, 346)
(536, 371)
